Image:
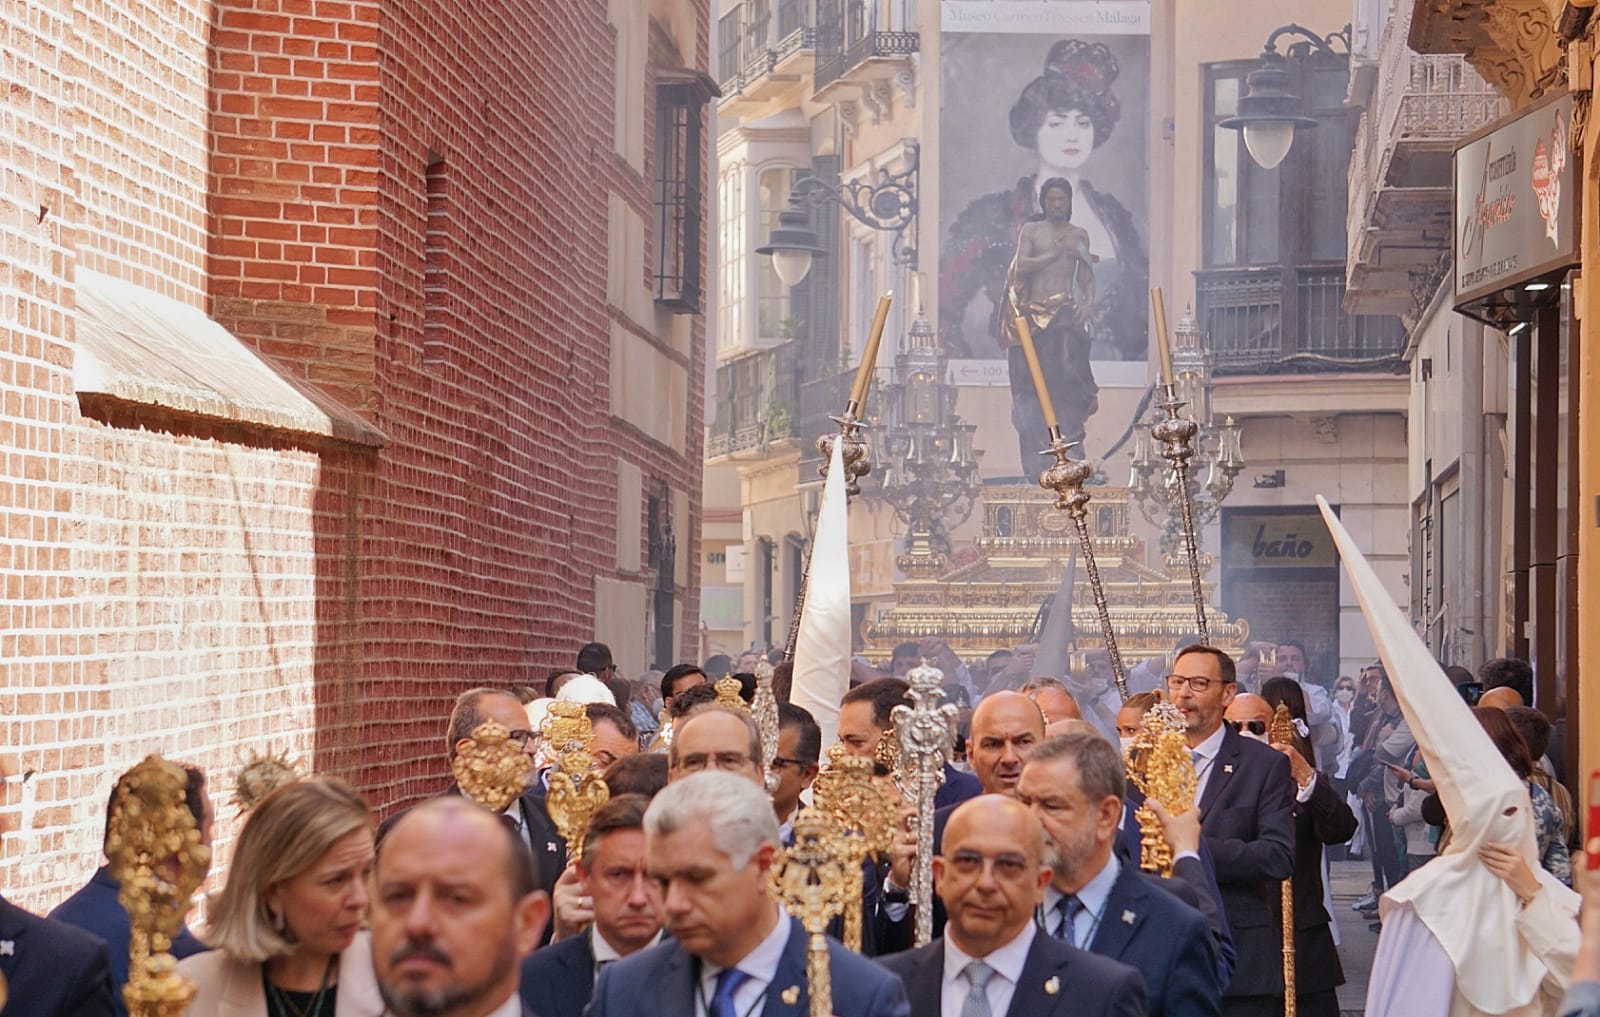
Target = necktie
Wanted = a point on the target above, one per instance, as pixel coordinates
(977, 1002)
(1070, 907)
(728, 982)
(1194, 754)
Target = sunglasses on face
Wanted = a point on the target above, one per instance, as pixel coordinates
(1255, 727)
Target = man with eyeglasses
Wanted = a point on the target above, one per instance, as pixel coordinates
(527, 814)
(993, 959)
(1245, 796)
(796, 764)
(559, 981)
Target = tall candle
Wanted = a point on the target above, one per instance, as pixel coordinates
(1167, 377)
(869, 360)
(1025, 334)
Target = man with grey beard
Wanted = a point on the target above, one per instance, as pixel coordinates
(456, 905)
(1074, 783)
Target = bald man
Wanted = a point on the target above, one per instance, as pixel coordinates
(1501, 697)
(992, 958)
(1053, 699)
(1005, 728)
(456, 906)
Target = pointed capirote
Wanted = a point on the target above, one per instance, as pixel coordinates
(1468, 909)
(822, 651)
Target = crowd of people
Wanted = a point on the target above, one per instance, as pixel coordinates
(1040, 904)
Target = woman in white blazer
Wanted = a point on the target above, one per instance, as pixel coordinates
(288, 927)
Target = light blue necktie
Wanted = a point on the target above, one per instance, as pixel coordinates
(977, 1002)
(728, 982)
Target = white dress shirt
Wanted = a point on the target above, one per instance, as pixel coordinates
(1207, 762)
(1007, 962)
(761, 964)
(604, 952)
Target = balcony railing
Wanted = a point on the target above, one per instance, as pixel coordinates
(1279, 320)
(758, 400)
(850, 32)
(820, 398)
(754, 43)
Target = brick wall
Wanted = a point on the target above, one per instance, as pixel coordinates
(206, 589)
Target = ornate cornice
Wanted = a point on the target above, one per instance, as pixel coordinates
(1513, 44)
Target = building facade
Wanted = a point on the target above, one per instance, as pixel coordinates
(855, 90)
(352, 360)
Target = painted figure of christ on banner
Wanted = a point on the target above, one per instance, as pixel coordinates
(1039, 93)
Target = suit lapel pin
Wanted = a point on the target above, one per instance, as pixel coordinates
(550, 846)
(1128, 917)
(1227, 768)
(791, 995)
(8, 948)
(1052, 985)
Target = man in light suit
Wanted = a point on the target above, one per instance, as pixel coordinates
(528, 814)
(993, 960)
(1246, 801)
(1075, 783)
(456, 905)
(712, 842)
(558, 980)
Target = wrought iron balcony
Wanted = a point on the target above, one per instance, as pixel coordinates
(851, 33)
(1398, 219)
(1286, 320)
(759, 50)
(758, 402)
(823, 397)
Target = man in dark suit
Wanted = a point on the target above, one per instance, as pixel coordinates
(712, 841)
(528, 814)
(1075, 783)
(993, 959)
(456, 905)
(1246, 802)
(558, 980)
(96, 909)
(52, 969)
(866, 713)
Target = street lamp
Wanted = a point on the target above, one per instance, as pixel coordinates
(1268, 112)
(887, 204)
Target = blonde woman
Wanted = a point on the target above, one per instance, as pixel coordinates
(288, 927)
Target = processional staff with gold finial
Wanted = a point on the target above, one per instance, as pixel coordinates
(575, 790)
(159, 860)
(1282, 733)
(855, 454)
(925, 733)
(811, 881)
(867, 818)
(1160, 766)
(1066, 478)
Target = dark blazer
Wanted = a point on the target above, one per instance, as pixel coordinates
(1324, 819)
(549, 850)
(661, 982)
(1194, 880)
(1085, 985)
(52, 969)
(558, 980)
(957, 788)
(1247, 820)
(95, 909)
(1167, 941)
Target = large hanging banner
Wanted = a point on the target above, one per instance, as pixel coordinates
(1038, 92)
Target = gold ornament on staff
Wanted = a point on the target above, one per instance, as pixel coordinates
(765, 711)
(926, 734)
(491, 769)
(158, 859)
(260, 776)
(811, 880)
(856, 455)
(1066, 478)
(728, 694)
(867, 817)
(1160, 766)
(575, 791)
(1282, 733)
(1176, 435)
